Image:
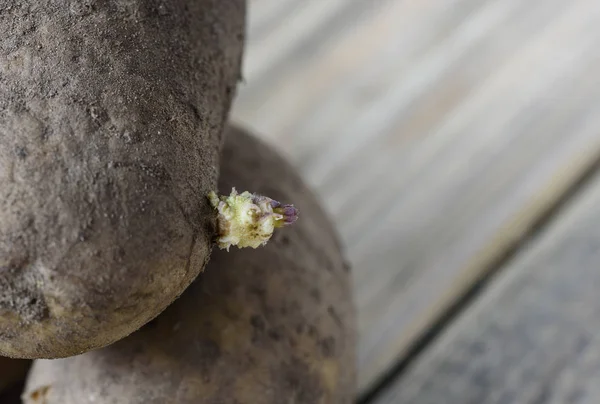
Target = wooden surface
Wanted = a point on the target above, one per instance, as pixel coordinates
(437, 133)
(532, 338)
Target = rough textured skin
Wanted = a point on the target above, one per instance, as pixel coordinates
(111, 115)
(273, 325)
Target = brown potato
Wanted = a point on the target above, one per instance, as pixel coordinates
(267, 326)
(111, 116)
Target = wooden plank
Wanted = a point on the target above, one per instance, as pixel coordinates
(532, 338)
(460, 204)
(283, 27)
(436, 132)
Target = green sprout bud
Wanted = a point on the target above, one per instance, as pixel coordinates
(249, 220)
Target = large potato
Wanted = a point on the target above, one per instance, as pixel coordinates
(268, 326)
(111, 115)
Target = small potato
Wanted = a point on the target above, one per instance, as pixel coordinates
(111, 119)
(273, 325)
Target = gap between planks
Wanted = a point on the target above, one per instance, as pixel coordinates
(392, 104)
(386, 384)
(531, 337)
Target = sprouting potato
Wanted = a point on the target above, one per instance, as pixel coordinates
(111, 122)
(271, 325)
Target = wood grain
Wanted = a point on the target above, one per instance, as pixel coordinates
(436, 132)
(532, 338)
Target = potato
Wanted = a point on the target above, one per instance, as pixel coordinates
(111, 117)
(273, 325)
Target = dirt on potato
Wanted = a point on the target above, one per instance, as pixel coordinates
(111, 119)
(273, 325)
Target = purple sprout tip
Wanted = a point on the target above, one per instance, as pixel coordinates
(247, 219)
(290, 214)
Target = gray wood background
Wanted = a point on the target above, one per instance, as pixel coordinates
(533, 336)
(437, 133)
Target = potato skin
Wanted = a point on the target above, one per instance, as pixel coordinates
(111, 119)
(267, 326)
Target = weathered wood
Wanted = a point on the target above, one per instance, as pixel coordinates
(532, 338)
(437, 132)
